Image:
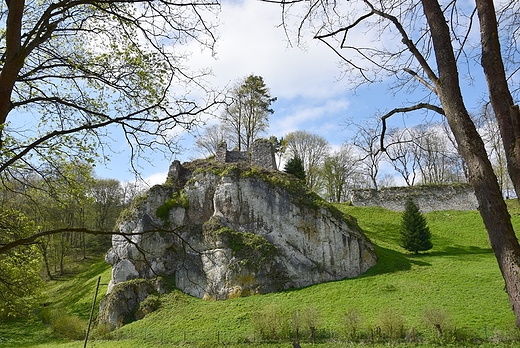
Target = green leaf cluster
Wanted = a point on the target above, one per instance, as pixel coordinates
(20, 282)
(415, 233)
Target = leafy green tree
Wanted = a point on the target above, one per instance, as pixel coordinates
(247, 116)
(86, 65)
(415, 233)
(295, 167)
(61, 201)
(338, 173)
(74, 73)
(312, 149)
(20, 281)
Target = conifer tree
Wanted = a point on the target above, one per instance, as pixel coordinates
(415, 233)
(295, 166)
(248, 114)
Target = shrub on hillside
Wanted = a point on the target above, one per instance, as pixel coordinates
(391, 324)
(150, 304)
(103, 331)
(271, 323)
(353, 321)
(296, 320)
(415, 233)
(68, 326)
(295, 167)
(311, 320)
(438, 319)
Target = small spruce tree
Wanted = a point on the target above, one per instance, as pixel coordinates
(295, 166)
(415, 233)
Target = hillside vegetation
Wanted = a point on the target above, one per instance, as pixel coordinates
(453, 294)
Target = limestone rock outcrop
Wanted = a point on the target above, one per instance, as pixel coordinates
(220, 230)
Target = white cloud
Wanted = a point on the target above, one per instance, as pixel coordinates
(322, 117)
(157, 178)
(305, 81)
(252, 42)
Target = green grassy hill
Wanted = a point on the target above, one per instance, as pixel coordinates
(456, 285)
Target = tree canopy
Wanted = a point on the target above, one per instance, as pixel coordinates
(312, 149)
(20, 280)
(74, 76)
(74, 73)
(247, 115)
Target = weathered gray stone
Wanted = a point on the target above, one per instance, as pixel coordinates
(262, 154)
(122, 305)
(235, 234)
(428, 198)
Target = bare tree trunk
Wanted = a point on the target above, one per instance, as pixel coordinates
(14, 58)
(506, 112)
(44, 249)
(62, 255)
(471, 147)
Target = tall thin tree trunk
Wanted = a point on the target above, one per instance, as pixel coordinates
(44, 249)
(471, 147)
(506, 112)
(62, 255)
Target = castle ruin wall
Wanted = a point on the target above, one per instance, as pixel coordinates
(262, 154)
(427, 198)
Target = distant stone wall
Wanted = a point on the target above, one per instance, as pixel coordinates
(427, 198)
(262, 154)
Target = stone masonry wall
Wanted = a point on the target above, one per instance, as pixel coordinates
(222, 151)
(237, 156)
(427, 198)
(262, 154)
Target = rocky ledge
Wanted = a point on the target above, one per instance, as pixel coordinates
(218, 230)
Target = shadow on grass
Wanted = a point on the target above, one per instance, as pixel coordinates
(83, 269)
(24, 333)
(461, 250)
(390, 261)
(75, 291)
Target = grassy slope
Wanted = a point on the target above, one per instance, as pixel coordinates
(459, 275)
(71, 295)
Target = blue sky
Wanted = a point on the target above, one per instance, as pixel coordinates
(305, 81)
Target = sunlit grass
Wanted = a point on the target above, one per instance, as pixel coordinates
(459, 276)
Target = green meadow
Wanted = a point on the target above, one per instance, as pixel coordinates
(452, 295)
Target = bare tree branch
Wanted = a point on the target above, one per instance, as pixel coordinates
(5, 247)
(405, 109)
(421, 80)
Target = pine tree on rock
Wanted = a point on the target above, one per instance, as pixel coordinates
(295, 167)
(415, 233)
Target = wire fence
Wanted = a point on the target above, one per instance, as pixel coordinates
(230, 337)
(221, 337)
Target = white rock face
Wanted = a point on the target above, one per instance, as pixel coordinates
(236, 236)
